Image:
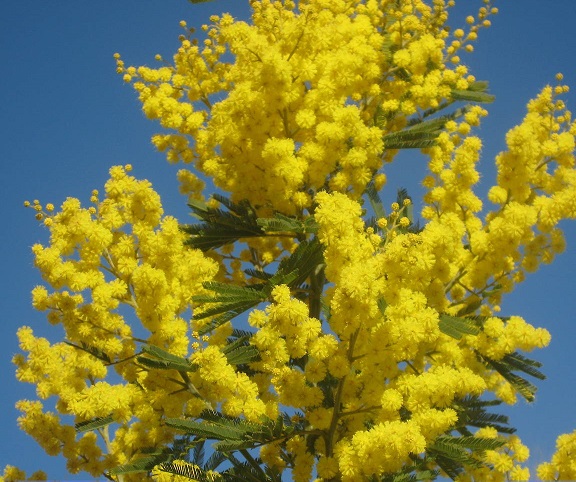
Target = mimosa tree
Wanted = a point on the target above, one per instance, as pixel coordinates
(301, 327)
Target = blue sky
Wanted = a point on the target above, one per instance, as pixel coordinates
(66, 117)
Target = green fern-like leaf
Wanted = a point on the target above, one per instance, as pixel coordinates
(230, 431)
(472, 412)
(456, 326)
(155, 357)
(93, 424)
(229, 301)
(214, 461)
(215, 425)
(242, 355)
(516, 362)
(375, 201)
(96, 352)
(477, 443)
(143, 464)
(454, 454)
(410, 474)
(301, 263)
(191, 471)
(422, 131)
(410, 139)
(258, 274)
(233, 445)
(221, 227)
(476, 92)
(281, 223)
(229, 293)
(226, 315)
(245, 471)
(521, 363)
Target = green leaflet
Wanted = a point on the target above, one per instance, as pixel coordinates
(301, 263)
(228, 301)
(456, 326)
(226, 312)
(476, 92)
(191, 471)
(281, 223)
(242, 355)
(96, 352)
(407, 475)
(472, 96)
(382, 306)
(516, 362)
(144, 464)
(410, 139)
(233, 445)
(233, 429)
(473, 443)
(238, 220)
(221, 227)
(375, 201)
(93, 424)
(232, 433)
(196, 467)
(472, 412)
(225, 292)
(161, 359)
(421, 132)
(149, 459)
(452, 453)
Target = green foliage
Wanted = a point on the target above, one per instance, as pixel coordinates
(92, 350)
(221, 227)
(193, 472)
(281, 223)
(472, 412)
(161, 359)
(93, 424)
(239, 352)
(454, 454)
(229, 301)
(456, 326)
(410, 139)
(477, 92)
(517, 362)
(149, 459)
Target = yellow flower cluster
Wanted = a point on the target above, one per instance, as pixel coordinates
(563, 463)
(535, 190)
(308, 82)
(14, 474)
(316, 91)
(109, 264)
(385, 302)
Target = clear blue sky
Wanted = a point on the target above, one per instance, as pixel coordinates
(66, 117)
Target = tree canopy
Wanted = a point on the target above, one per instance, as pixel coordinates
(300, 327)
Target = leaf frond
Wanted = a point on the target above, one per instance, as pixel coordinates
(515, 361)
(191, 471)
(457, 326)
(93, 424)
(221, 227)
